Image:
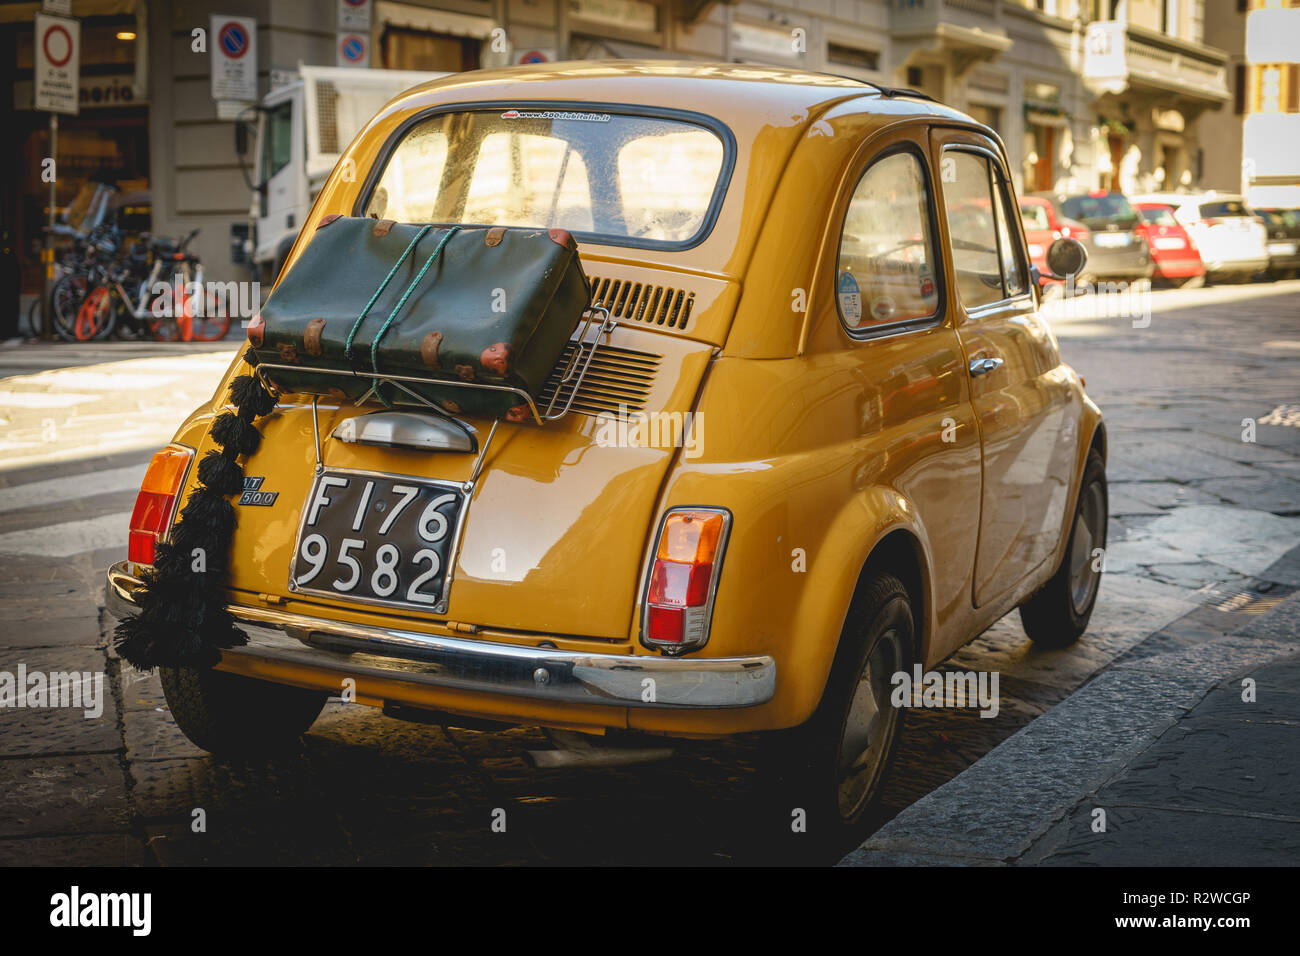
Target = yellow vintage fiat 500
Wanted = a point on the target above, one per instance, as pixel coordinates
(819, 436)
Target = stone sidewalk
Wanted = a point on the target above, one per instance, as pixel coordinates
(1182, 753)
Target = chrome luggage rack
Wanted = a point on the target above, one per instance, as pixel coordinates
(578, 363)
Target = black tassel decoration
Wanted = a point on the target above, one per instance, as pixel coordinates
(183, 618)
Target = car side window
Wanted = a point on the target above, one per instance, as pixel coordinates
(972, 228)
(1014, 280)
(885, 273)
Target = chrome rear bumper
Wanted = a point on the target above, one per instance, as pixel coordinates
(539, 673)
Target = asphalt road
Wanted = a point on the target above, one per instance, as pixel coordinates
(1198, 515)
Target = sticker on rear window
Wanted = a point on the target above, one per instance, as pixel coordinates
(850, 298)
(556, 115)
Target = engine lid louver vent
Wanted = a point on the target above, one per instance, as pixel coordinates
(643, 302)
(616, 377)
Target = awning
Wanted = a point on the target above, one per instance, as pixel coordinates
(405, 16)
(584, 47)
(1039, 118)
(14, 12)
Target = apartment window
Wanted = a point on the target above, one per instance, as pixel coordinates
(990, 116)
(1276, 88)
(853, 56)
(1270, 90)
(1239, 89)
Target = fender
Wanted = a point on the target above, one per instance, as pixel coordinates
(832, 580)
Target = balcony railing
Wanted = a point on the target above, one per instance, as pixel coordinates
(912, 15)
(1119, 56)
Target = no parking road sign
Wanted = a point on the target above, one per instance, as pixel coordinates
(234, 58)
(353, 50)
(58, 48)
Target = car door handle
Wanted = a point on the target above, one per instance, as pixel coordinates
(982, 366)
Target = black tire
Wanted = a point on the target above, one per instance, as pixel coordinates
(35, 318)
(233, 716)
(1057, 615)
(802, 766)
(66, 296)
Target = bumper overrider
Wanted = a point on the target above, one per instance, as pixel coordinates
(538, 673)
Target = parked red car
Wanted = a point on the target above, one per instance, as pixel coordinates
(1177, 259)
(1043, 227)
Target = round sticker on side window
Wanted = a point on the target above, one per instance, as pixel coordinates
(850, 299)
(927, 283)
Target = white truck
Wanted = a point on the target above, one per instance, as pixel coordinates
(302, 128)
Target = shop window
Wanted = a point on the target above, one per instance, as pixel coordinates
(851, 56)
(405, 49)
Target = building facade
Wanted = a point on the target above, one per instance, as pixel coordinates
(1085, 93)
(1260, 133)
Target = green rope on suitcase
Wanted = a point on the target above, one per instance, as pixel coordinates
(356, 326)
(383, 330)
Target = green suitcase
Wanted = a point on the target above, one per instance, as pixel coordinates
(492, 308)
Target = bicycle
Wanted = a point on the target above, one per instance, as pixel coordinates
(169, 303)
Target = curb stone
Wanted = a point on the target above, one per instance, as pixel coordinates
(999, 808)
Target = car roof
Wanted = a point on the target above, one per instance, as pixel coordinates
(717, 88)
(1182, 199)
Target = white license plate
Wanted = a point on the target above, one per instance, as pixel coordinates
(1111, 240)
(1281, 248)
(1170, 244)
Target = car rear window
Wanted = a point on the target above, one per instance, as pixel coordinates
(1224, 209)
(624, 179)
(1158, 215)
(1107, 208)
(1034, 217)
(1282, 218)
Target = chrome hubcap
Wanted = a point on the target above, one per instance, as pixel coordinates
(1089, 535)
(869, 726)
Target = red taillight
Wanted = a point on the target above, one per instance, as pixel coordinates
(156, 503)
(683, 578)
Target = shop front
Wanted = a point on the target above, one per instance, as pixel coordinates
(106, 142)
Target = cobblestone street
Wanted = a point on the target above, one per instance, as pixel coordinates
(1203, 527)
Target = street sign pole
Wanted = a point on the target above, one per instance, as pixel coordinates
(55, 71)
(47, 254)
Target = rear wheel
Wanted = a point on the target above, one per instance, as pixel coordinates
(96, 316)
(230, 715)
(1058, 614)
(832, 766)
(65, 298)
